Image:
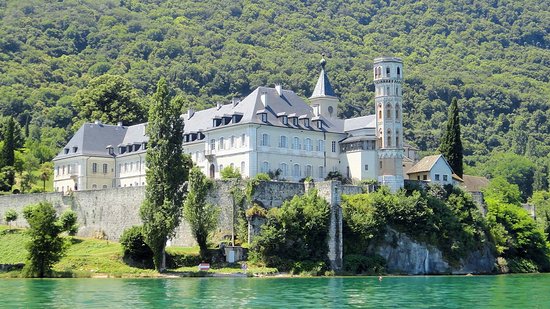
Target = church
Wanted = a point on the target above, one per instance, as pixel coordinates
(271, 129)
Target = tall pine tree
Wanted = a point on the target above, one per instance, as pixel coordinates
(8, 150)
(451, 144)
(164, 194)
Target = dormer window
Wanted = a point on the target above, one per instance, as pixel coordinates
(295, 121)
(66, 150)
(144, 145)
(285, 120)
(75, 149)
(306, 122)
(319, 124)
(216, 122)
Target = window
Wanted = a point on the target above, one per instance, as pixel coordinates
(397, 111)
(243, 140)
(104, 186)
(212, 144)
(126, 167)
(264, 117)
(366, 167)
(418, 177)
(330, 110)
(396, 139)
(75, 149)
(380, 113)
(321, 145)
(57, 170)
(232, 141)
(437, 177)
(321, 172)
(333, 146)
(284, 169)
(380, 164)
(425, 177)
(105, 168)
(221, 167)
(296, 170)
(285, 120)
(296, 143)
(309, 171)
(94, 186)
(282, 142)
(242, 166)
(388, 111)
(265, 140)
(444, 177)
(295, 121)
(306, 122)
(307, 144)
(94, 168)
(387, 72)
(265, 167)
(398, 71)
(221, 144)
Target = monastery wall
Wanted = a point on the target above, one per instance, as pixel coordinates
(107, 213)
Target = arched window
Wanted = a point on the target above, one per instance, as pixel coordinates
(388, 111)
(397, 111)
(221, 167)
(282, 142)
(398, 71)
(265, 167)
(379, 111)
(309, 171)
(212, 144)
(243, 140)
(242, 167)
(284, 169)
(396, 139)
(307, 144)
(387, 90)
(388, 138)
(296, 170)
(388, 72)
(221, 144)
(296, 143)
(232, 141)
(321, 172)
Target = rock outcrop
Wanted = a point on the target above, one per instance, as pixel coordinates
(406, 256)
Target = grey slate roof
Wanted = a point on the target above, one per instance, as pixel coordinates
(323, 88)
(288, 103)
(93, 138)
(358, 123)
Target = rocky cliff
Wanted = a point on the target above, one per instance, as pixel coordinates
(406, 256)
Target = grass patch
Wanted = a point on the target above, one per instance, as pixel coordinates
(183, 250)
(12, 245)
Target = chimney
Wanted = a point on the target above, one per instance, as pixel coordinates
(279, 89)
(190, 113)
(263, 97)
(235, 101)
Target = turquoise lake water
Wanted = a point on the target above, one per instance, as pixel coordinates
(511, 291)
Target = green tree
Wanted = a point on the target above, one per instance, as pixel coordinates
(229, 172)
(516, 169)
(8, 150)
(46, 172)
(67, 222)
(166, 173)
(451, 144)
(10, 216)
(501, 190)
(134, 246)
(45, 247)
(109, 98)
(201, 216)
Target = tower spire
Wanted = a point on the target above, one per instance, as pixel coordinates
(323, 88)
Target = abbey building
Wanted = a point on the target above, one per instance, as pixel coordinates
(271, 129)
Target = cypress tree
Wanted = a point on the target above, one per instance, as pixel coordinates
(8, 151)
(164, 194)
(451, 144)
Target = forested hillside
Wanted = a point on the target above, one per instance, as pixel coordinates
(59, 57)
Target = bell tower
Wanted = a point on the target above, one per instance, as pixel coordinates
(388, 100)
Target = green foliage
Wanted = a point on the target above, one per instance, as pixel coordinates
(448, 220)
(541, 201)
(7, 178)
(297, 231)
(166, 172)
(516, 169)
(10, 215)
(501, 190)
(256, 210)
(67, 221)
(522, 266)
(229, 172)
(516, 234)
(201, 216)
(451, 143)
(335, 175)
(7, 157)
(45, 246)
(368, 265)
(109, 98)
(134, 246)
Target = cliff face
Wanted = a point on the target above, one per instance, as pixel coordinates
(406, 256)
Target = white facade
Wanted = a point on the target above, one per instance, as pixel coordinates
(272, 129)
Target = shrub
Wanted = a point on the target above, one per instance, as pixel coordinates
(229, 172)
(360, 264)
(520, 265)
(310, 268)
(182, 260)
(134, 246)
(10, 216)
(67, 220)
